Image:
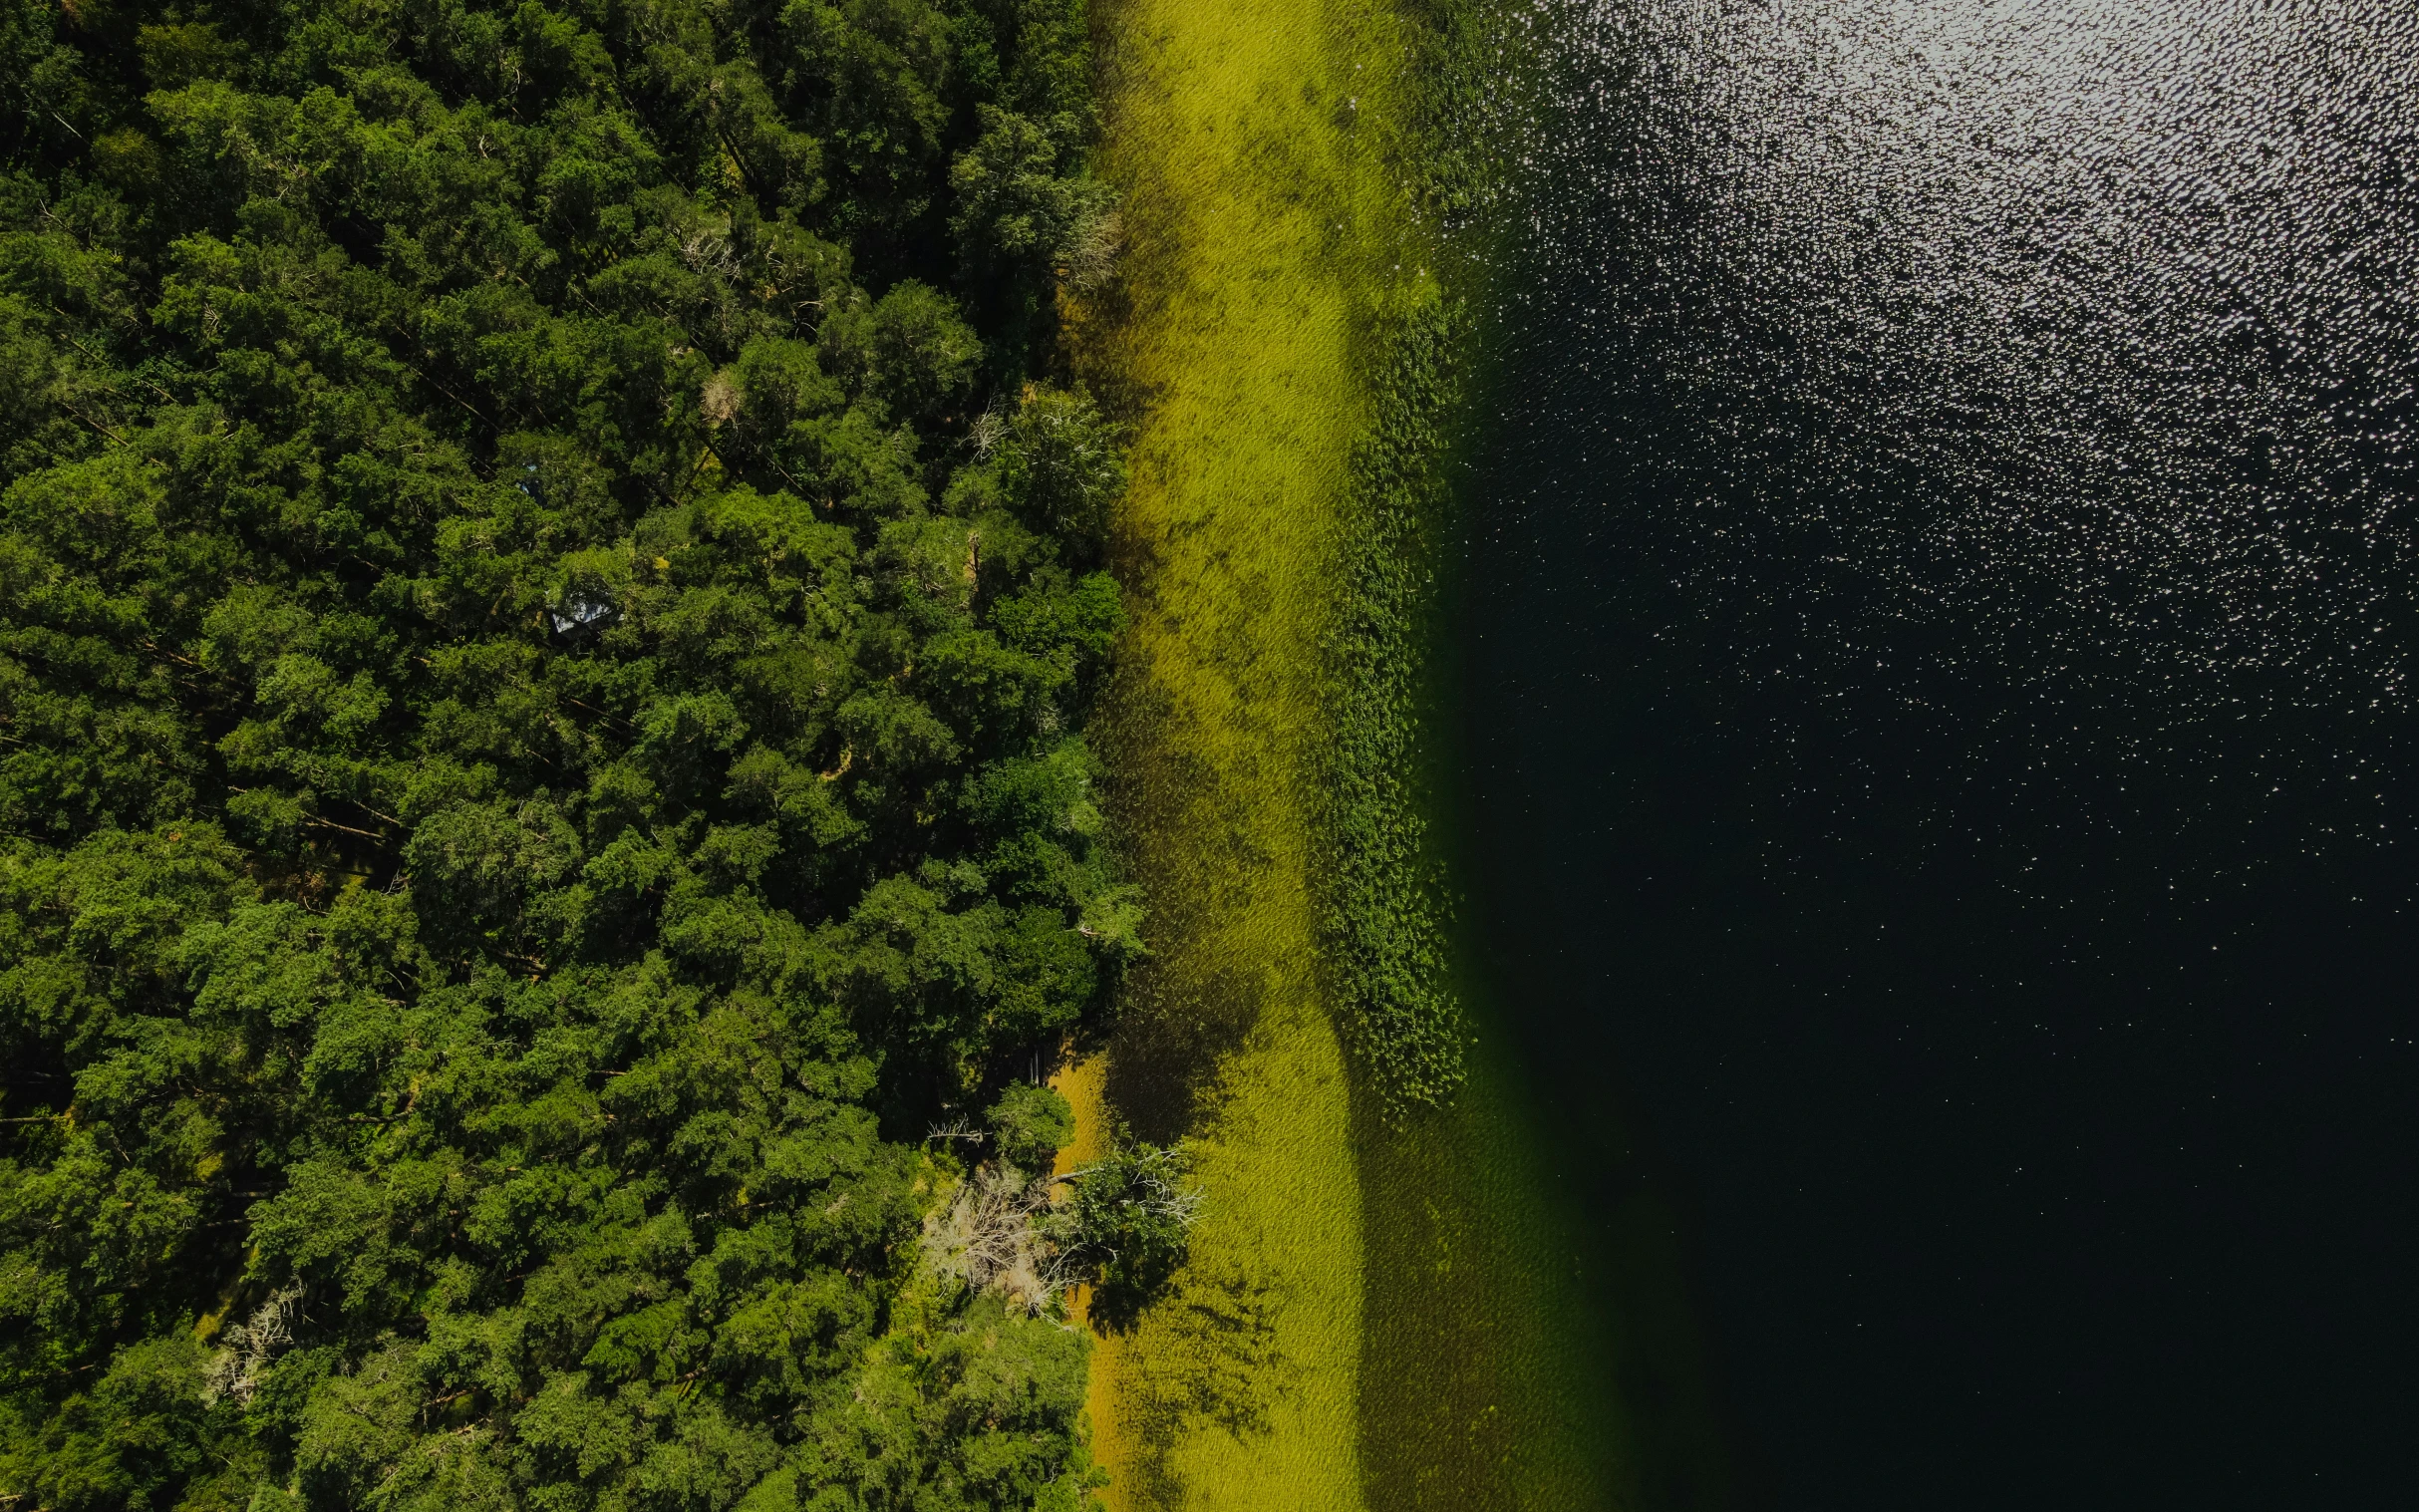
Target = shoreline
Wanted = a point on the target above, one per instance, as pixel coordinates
(1229, 346)
(1380, 1310)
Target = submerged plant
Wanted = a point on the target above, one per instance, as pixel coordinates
(1386, 909)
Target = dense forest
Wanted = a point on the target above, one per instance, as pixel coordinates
(547, 605)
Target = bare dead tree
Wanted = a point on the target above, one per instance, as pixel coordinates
(238, 1369)
(1032, 1238)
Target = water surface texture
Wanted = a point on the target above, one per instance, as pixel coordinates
(1942, 728)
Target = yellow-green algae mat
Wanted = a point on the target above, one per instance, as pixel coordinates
(1373, 1315)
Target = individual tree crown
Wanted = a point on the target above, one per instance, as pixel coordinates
(1030, 1124)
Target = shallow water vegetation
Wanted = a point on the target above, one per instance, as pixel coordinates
(1386, 894)
(1381, 1306)
(549, 605)
(1267, 240)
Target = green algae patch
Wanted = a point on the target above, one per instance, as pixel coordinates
(1489, 1343)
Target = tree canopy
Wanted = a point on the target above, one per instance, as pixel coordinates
(547, 607)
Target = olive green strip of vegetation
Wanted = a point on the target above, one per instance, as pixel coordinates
(1388, 1302)
(1259, 242)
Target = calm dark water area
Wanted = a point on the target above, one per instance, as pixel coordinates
(1943, 610)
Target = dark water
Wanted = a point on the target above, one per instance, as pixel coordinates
(1946, 604)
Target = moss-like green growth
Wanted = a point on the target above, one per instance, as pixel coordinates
(1386, 911)
(1442, 134)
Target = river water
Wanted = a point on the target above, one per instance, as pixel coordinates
(1943, 618)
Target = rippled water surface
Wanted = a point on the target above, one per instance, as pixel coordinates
(1943, 721)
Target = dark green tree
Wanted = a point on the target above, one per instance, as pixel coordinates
(1030, 1124)
(1128, 1226)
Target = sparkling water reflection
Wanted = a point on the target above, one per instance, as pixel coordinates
(1944, 613)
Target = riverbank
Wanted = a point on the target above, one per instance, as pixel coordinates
(1379, 1311)
(1227, 343)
